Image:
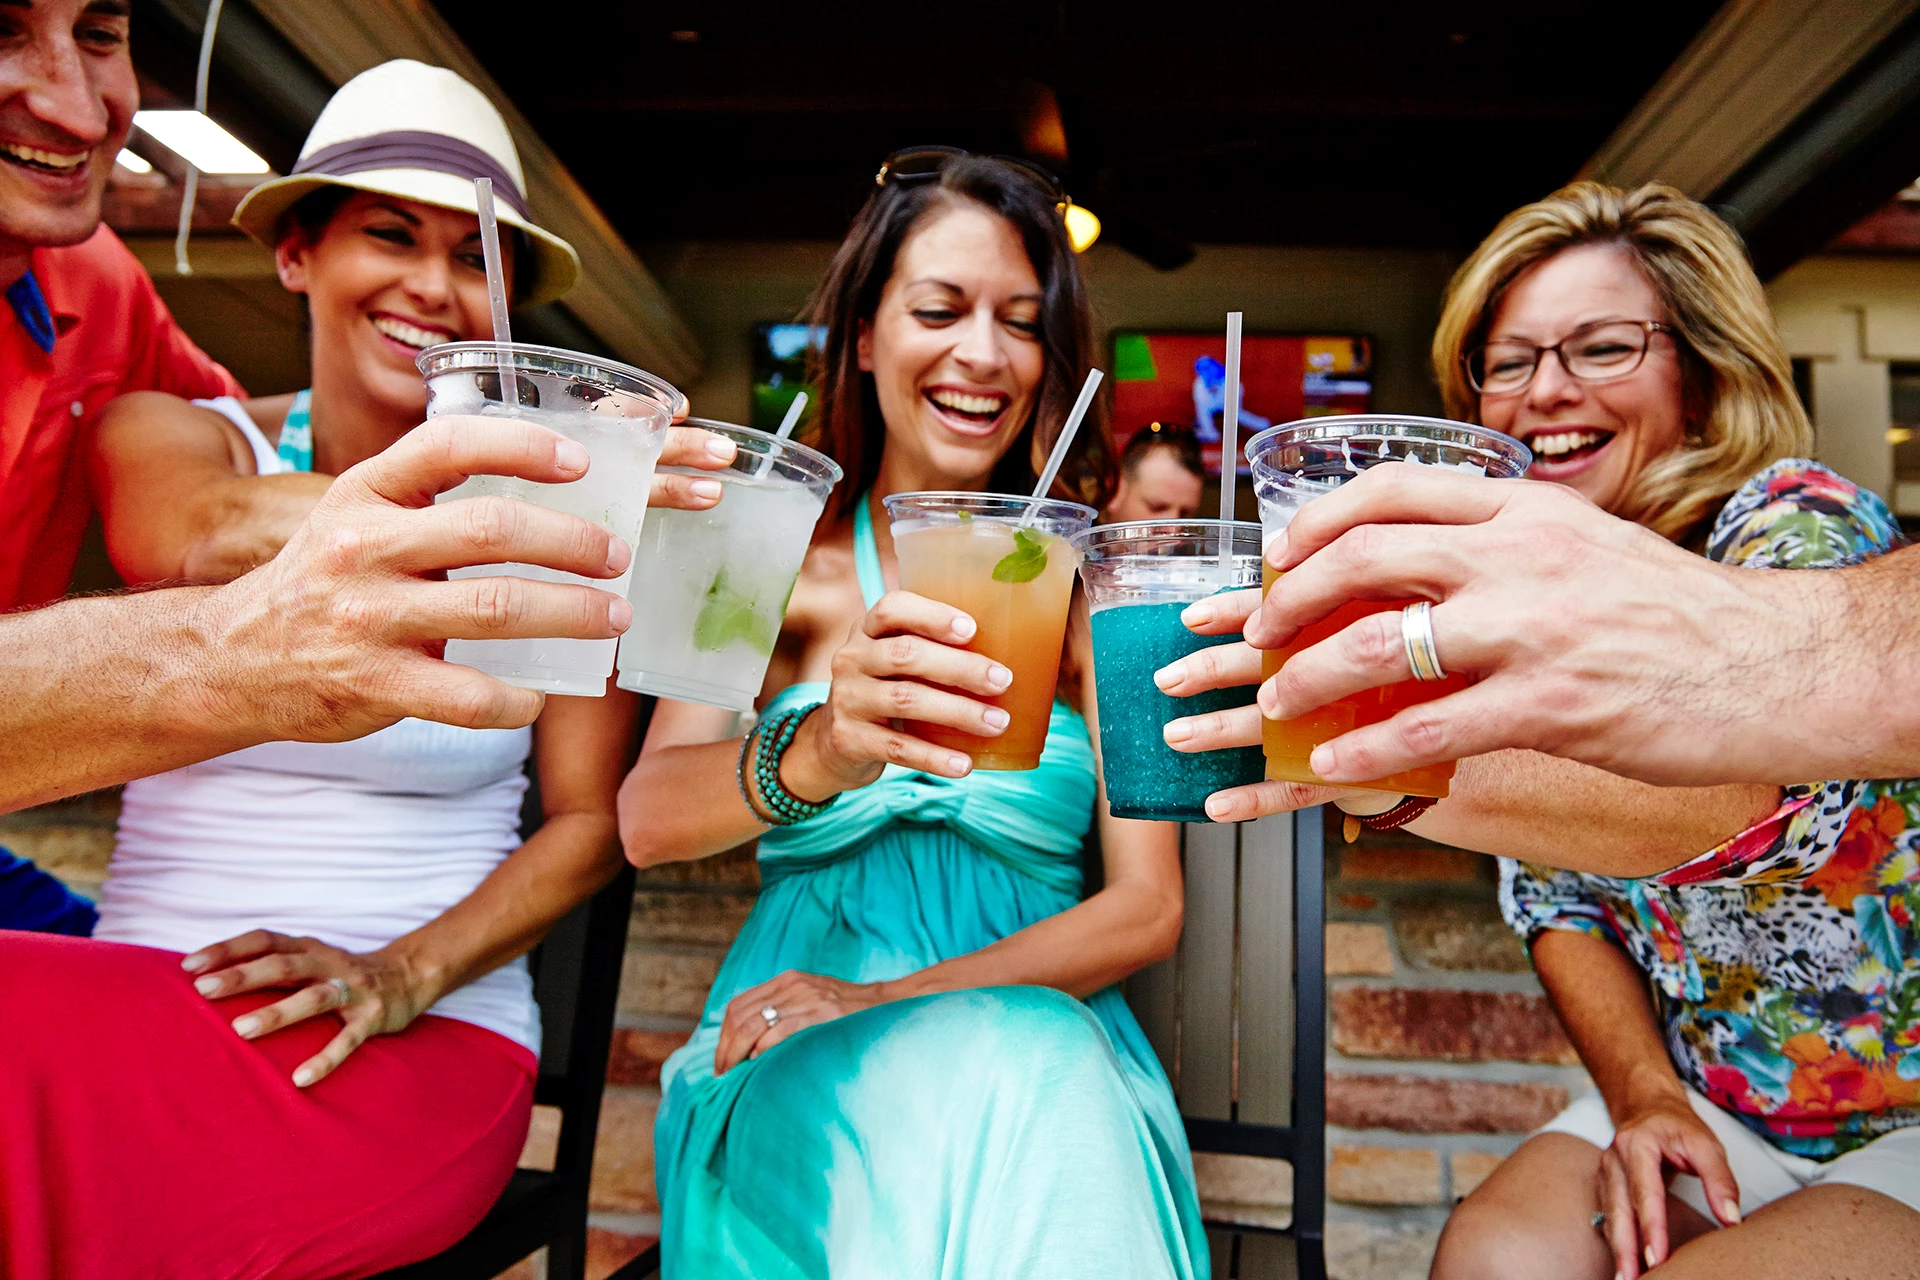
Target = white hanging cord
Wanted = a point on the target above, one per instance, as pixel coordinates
(192, 193)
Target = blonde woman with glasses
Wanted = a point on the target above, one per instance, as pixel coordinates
(1738, 966)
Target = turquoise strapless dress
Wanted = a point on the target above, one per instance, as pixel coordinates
(996, 1132)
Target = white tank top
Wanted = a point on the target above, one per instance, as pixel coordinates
(353, 843)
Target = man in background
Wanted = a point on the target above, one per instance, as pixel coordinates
(1160, 476)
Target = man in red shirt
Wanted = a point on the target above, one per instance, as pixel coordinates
(96, 691)
(83, 323)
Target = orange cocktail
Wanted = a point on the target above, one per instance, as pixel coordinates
(1289, 743)
(1299, 461)
(1015, 580)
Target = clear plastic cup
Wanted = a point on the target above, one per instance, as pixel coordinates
(710, 588)
(1297, 462)
(1008, 563)
(621, 415)
(1139, 578)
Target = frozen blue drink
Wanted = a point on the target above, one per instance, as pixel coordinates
(1140, 577)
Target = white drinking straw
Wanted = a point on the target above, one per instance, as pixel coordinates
(1061, 445)
(1230, 444)
(496, 290)
(792, 420)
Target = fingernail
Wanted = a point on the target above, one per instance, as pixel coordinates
(246, 1027)
(1268, 700)
(1648, 1254)
(1729, 1211)
(206, 986)
(1218, 809)
(995, 718)
(619, 614)
(1277, 547)
(706, 489)
(1323, 761)
(1170, 676)
(998, 677)
(1176, 731)
(1619, 1275)
(195, 962)
(963, 627)
(959, 764)
(305, 1076)
(720, 448)
(570, 455)
(1198, 614)
(619, 555)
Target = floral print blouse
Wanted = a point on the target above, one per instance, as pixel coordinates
(1787, 960)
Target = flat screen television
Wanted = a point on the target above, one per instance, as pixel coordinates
(780, 370)
(1180, 377)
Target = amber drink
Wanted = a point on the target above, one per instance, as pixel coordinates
(1007, 563)
(1299, 461)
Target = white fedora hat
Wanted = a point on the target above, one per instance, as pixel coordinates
(421, 133)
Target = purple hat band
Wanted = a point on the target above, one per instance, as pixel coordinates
(414, 149)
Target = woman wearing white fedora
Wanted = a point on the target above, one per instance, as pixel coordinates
(344, 1083)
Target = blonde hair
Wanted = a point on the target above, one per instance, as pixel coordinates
(1741, 409)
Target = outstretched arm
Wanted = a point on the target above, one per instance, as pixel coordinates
(178, 497)
(1588, 637)
(337, 636)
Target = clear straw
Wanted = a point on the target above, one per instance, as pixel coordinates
(496, 290)
(1229, 445)
(1060, 446)
(792, 420)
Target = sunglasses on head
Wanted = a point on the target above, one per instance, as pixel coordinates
(925, 164)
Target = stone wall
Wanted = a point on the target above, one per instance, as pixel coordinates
(1444, 1053)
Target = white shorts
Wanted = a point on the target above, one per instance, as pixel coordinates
(1890, 1164)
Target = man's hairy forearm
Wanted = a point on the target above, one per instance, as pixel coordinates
(1867, 669)
(109, 688)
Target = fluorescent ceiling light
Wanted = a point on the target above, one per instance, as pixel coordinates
(200, 141)
(131, 162)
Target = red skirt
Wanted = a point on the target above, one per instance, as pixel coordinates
(139, 1136)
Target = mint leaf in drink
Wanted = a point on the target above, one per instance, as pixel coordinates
(1027, 560)
(728, 616)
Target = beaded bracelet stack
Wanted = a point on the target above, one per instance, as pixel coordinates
(763, 751)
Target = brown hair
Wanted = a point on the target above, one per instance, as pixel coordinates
(1176, 438)
(849, 426)
(1742, 412)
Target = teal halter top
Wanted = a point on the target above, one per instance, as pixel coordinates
(1035, 821)
(296, 434)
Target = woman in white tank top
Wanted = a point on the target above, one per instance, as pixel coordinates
(309, 965)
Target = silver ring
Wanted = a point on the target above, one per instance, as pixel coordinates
(1416, 628)
(771, 1014)
(346, 992)
(1599, 1221)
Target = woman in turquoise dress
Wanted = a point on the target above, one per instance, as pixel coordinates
(914, 1061)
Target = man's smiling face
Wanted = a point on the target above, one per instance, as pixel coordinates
(67, 98)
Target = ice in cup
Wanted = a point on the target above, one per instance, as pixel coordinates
(1140, 577)
(1297, 462)
(621, 415)
(1007, 563)
(710, 588)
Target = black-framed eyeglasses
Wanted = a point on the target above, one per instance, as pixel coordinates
(1597, 352)
(924, 164)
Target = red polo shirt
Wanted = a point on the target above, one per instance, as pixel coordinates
(114, 336)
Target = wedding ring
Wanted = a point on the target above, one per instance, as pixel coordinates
(346, 992)
(1599, 1221)
(1416, 628)
(771, 1014)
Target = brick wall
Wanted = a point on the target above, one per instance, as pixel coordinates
(1444, 1053)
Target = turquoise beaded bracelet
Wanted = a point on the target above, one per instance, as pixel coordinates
(766, 747)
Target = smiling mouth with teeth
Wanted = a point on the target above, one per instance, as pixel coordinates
(42, 161)
(1562, 446)
(974, 408)
(410, 335)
